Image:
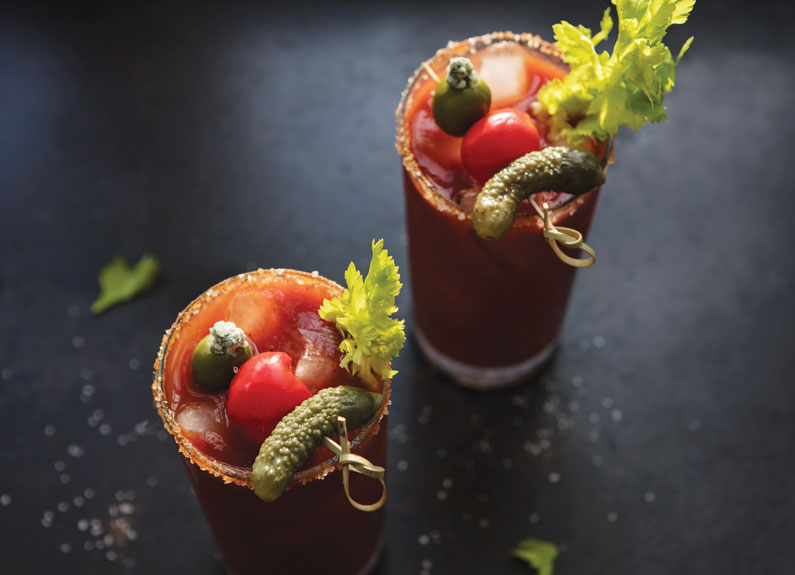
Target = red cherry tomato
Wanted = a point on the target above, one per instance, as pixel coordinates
(496, 140)
(264, 390)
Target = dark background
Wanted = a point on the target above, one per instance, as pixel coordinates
(226, 138)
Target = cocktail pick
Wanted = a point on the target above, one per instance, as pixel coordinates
(570, 238)
(352, 462)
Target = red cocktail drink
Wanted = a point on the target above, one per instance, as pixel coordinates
(312, 527)
(486, 312)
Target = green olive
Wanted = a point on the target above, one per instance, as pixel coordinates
(214, 371)
(460, 99)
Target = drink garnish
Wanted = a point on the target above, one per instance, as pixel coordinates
(302, 430)
(625, 88)
(572, 170)
(460, 99)
(538, 554)
(218, 354)
(371, 337)
(263, 391)
(118, 282)
(496, 140)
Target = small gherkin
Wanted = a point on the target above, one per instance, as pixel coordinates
(556, 168)
(302, 430)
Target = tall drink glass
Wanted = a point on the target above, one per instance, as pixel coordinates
(486, 312)
(312, 528)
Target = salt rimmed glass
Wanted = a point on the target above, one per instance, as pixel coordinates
(488, 313)
(299, 532)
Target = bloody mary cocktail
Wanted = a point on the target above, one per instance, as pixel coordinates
(486, 312)
(312, 527)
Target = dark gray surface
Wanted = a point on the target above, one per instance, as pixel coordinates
(223, 139)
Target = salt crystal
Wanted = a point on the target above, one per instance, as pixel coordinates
(73, 310)
(447, 483)
(49, 430)
(86, 374)
(78, 501)
(534, 518)
(402, 465)
(441, 495)
(607, 403)
(7, 374)
(554, 477)
(649, 496)
(134, 364)
(616, 415)
(599, 342)
(78, 342)
(612, 516)
(66, 548)
(423, 539)
(75, 450)
(5, 499)
(59, 465)
(483, 522)
(66, 478)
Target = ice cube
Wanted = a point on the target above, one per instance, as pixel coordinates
(503, 67)
(255, 312)
(466, 198)
(201, 418)
(316, 371)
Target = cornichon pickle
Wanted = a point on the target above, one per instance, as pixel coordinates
(557, 168)
(302, 430)
(460, 99)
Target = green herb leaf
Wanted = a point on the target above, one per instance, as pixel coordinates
(118, 282)
(538, 554)
(626, 88)
(362, 314)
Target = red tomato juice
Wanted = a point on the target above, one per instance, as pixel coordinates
(278, 311)
(488, 312)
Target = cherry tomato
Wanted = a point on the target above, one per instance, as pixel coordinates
(264, 390)
(496, 140)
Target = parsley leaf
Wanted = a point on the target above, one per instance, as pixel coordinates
(371, 337)
(539, 554)
(118, 282)
(626, 88)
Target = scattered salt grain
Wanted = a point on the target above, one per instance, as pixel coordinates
(599, 342)
(73, 310)
(649, 496)
(63, 507)
(441, 453)
(402, 465)
(423, 539)
(5, 499)
(78, 342)
(483, 522)
(507, 463)
(66, 548)
(65, 478)
(46, 518)
(695, 425)
(59, 465)
(89, 493)
(105, 429)
(616, 415)
(607, 402)
(597, 459)
(594, 418)
(576, 381)
(441, 495)
(75, 450)
(612, 516)
(535, 518)
(134, 364)
(49, 430)
(86, 374)
(7, 374)
(78, 501)
(447, 483)
(554, 477)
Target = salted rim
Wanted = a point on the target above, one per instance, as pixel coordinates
(443, 55)
(230, 473)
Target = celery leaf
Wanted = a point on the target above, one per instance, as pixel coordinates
(604, 91)
(118, 282)
(538, 554)
(363, 316)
